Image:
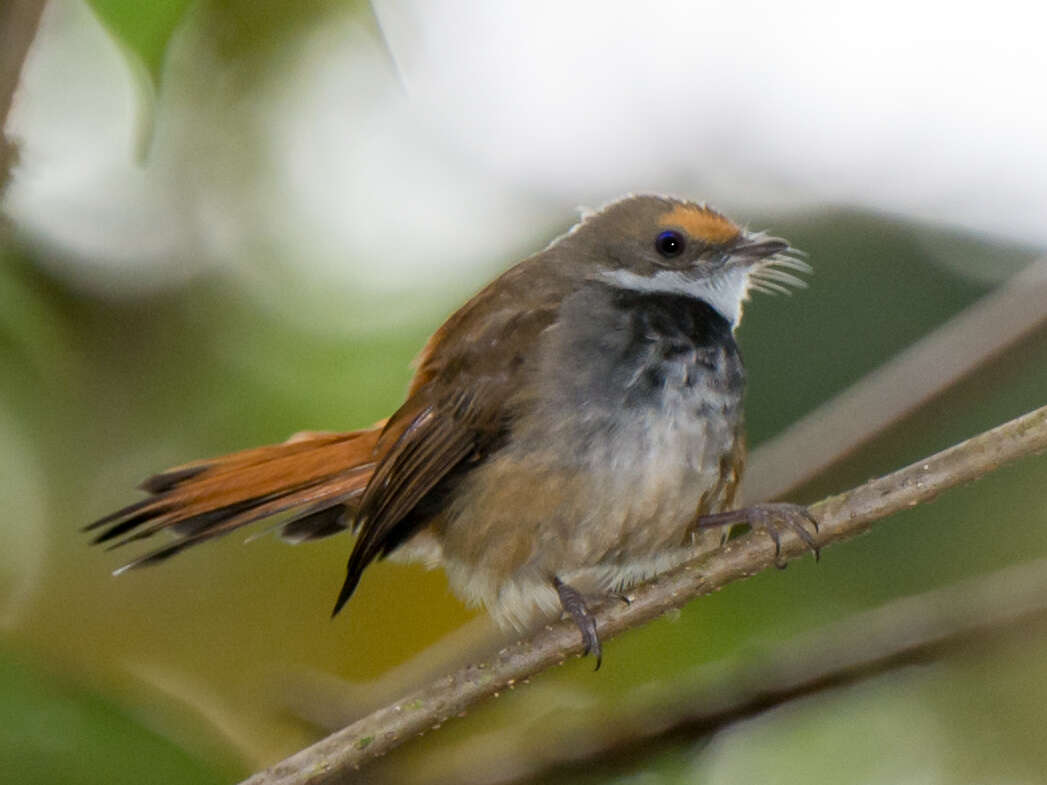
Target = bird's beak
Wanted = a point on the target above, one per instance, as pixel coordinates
(755, 251)
(767, 262)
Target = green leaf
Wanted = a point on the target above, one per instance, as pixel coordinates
(143, 29)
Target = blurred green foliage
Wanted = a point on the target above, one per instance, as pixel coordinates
(240, 27)
(52, 731)
(144, 29)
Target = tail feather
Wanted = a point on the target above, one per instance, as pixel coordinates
(124, 526)
(166, 481)
(318, 524)
(123, 512)
(319, 478)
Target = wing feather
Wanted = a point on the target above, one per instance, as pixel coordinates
(458, 412)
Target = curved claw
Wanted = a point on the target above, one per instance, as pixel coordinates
(771, 519)
(574, 605)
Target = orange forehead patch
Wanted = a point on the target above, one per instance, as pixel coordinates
(701, 223)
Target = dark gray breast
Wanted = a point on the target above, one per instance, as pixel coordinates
(616, 348)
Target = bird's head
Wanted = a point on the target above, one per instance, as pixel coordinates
(659, 244)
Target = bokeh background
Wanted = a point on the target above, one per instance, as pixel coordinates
(229, 221)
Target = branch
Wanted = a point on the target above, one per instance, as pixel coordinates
(972, 616)
(842, 517)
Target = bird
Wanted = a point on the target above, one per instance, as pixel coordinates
(574, 428)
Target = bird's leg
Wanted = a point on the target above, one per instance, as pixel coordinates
(574, 606)
(771, 519)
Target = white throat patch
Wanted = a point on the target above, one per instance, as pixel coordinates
(725, 291)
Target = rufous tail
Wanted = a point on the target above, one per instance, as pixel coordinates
(319, 477)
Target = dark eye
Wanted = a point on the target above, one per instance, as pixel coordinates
(669, 244)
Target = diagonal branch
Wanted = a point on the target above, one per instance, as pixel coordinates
(972, 617)
(842, 517)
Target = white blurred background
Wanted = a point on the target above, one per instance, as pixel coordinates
(439, 134)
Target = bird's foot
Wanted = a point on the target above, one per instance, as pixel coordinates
(574, 606)
(772, 519)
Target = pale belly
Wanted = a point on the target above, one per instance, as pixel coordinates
(601, 515)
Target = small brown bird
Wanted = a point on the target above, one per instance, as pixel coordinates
(575, 428)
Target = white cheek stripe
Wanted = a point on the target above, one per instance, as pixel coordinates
(725, 291)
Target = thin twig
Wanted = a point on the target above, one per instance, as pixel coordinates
(841, 517)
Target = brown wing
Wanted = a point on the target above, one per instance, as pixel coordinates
(458, 410)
